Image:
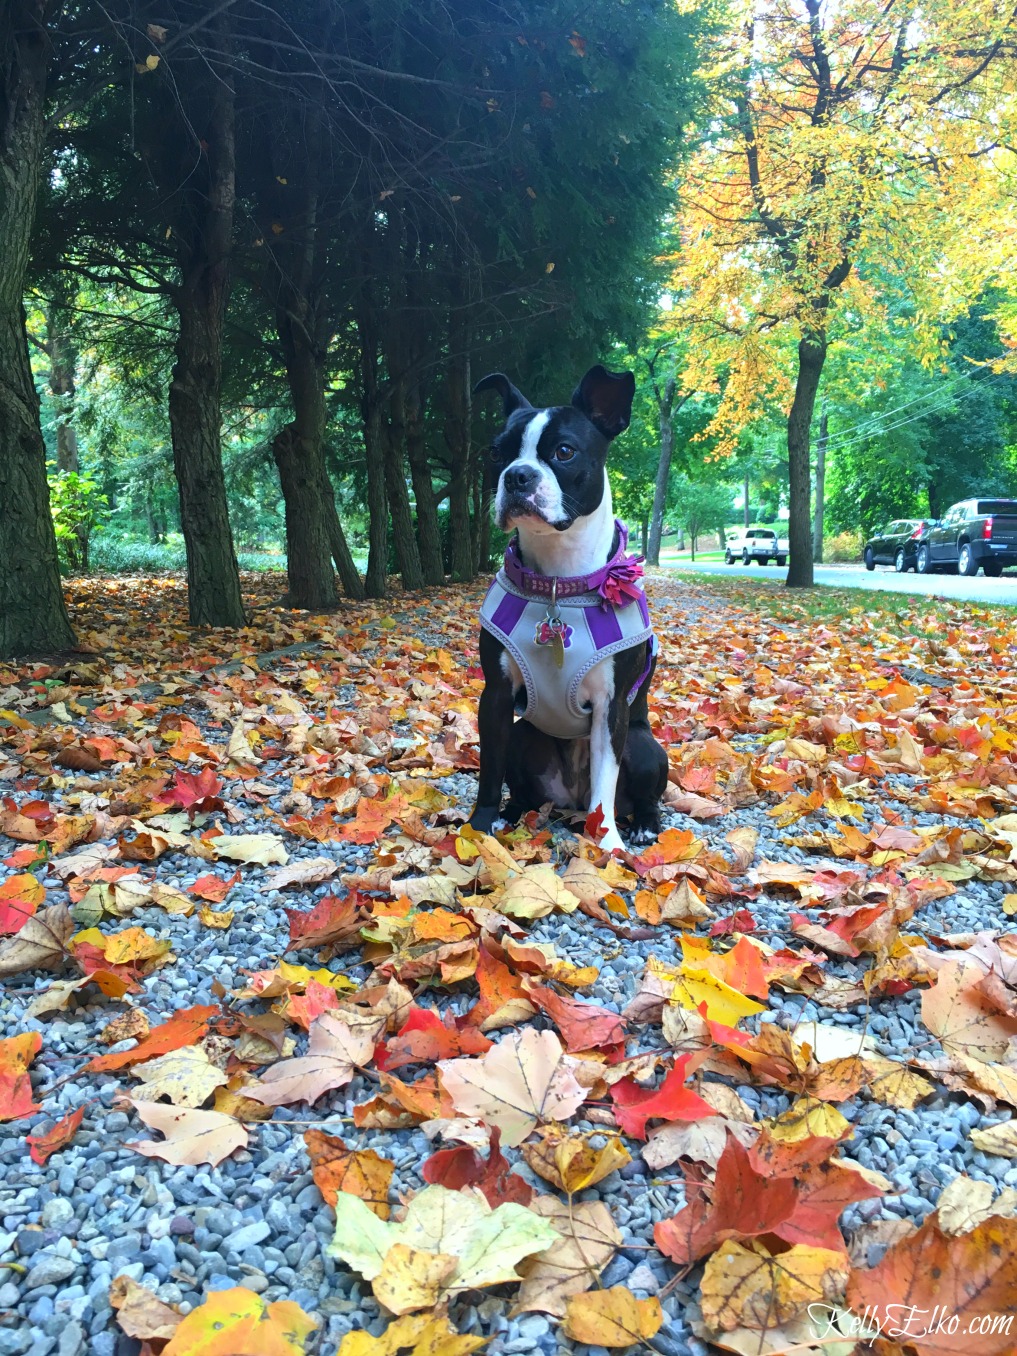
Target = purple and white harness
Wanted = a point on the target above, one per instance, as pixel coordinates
(557, 629)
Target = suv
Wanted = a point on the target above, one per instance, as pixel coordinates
(896, 545)
(755, 543)
(974, 534)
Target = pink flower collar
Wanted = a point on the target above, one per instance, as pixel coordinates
(615, 581)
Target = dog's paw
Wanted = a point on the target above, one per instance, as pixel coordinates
(499, 825)
(611, 842)
(643, 836)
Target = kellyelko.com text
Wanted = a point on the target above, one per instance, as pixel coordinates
(907, 1320)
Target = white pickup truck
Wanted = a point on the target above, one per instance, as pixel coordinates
(760, 544)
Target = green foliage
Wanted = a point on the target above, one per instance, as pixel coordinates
(113, 554)
(77, 504)
(843, 548)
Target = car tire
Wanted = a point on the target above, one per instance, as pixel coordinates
(781, 561)
(728, 558)
(993, 568)
(745, 557)
(966, 562)
(923, 561)
(869, 558)
(900, 561)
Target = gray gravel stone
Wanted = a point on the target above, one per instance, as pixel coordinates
(49, 1270)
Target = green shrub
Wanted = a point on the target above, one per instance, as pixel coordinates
(127, 555)
(844, 548)
(77, 504)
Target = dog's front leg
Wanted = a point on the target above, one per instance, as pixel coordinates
(608, 729)
(495, 719)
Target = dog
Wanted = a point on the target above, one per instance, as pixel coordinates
(565, 643)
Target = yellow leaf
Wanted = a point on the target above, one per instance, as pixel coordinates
(570, 1162)
(744, 1285)
(238, 1322)
(412, 1278)
(723, 1004)
(807, 1118)
(612, 1318)
(414, 1335)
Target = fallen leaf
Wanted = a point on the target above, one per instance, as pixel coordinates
(190, 1136)
(258, 848)
(139, 1313)
(464, 1166)
(237, 1322)
(612, 1318)
(524, 1080)
(41, 1147)
(185, 1076)
(968, 1276)
(570, 1162)
(361, 1172)
(339, 1044)
(412, 1335)
(487, 1244)
(589, 1239)
(745, 1285)
(16, 1054)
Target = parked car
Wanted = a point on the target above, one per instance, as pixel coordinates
(755, 543)
(974, 534)
(896, 545)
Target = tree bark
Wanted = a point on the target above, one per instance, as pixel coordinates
(665, 405)
(747, 512)
(404, 537)
(294, 277)
(376, 581)
(811, 356)
(644, 529)
(205, 233)
(432, 563)
(33, 615)
(62, 362)
(458, 419)
(817, 527)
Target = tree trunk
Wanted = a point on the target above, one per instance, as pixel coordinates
(432, 564)
(458, 408)
(665, 405)
(62, 361)
(811, 356)
(692, 547)
(935, 509)
(747, 512)
(374, 451)
(195, 405)
(644, 529)
(817, 529)
(404, 538)
(33, 615)
(308, 549)
(314, 533)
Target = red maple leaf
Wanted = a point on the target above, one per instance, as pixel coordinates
(424, 1039)
(458, 1168)
(672, 1101)
(195, 792)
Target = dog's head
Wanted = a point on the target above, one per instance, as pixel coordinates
(551, 462)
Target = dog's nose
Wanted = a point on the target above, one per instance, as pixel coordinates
(521, 479)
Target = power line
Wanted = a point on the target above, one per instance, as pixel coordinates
(867, 432)
(875, 419)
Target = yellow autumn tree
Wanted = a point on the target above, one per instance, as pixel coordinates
(845, 161)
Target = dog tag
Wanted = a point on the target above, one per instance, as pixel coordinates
(553, 630)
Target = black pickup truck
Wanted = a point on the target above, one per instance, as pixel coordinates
(974, 534)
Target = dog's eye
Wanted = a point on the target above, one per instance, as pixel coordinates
(563, 452)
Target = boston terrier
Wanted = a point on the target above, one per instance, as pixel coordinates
(565, 642)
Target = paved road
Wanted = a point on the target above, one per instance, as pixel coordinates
(979, 589)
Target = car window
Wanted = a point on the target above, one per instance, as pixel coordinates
(892, 530)
(997, 506)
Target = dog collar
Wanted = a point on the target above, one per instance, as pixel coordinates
(615, 582)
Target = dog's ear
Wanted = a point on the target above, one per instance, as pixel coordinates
(512, 398)
(606, 399)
